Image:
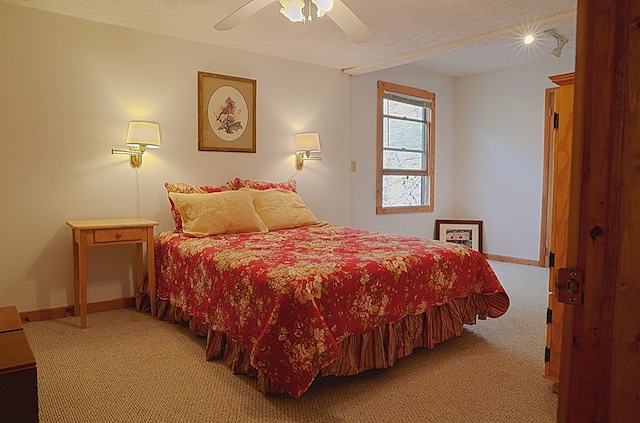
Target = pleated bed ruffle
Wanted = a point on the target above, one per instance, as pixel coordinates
(377, 349)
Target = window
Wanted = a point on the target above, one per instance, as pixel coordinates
(406, 156)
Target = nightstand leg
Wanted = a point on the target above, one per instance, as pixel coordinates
(82, 280)
(76, 277)
(139, 266)
(151, 271)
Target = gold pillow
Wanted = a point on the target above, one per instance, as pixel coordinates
(227, 212)
(281, 209)
(191, 189)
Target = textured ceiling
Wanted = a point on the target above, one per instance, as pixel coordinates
(453, 37)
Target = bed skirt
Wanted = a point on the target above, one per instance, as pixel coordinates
(377, 349)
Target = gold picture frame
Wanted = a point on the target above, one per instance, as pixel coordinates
(464, 232)
(226, 113)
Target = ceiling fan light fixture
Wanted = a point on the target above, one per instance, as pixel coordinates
(292, 9)
(301, 11)
(323, 6)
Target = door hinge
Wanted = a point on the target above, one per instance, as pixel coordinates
(569, 286)
(547, 354)
(549, 315)
(552, 259)
(556, 121)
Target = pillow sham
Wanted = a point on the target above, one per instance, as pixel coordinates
(183, 188)
(289, 185)
(281, 208)
(225, 212)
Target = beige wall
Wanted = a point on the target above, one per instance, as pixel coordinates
(68, 90)
(500, 144)
(489, 153)
(363, 150)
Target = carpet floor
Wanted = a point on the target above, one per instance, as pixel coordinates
(129, 367)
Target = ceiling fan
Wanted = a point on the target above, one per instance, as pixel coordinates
(294, 10)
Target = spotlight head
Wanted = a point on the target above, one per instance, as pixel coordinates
(558, 50)
(560, 41)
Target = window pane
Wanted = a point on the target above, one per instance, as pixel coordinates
(403, 190)
(395, 108)
(404, 134)
(403, 160)
(405, 148)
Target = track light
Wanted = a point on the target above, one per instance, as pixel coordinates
(560, 42)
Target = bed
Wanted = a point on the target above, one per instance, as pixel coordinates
(287, 304)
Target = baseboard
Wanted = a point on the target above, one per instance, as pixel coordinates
(515, 260)
(57, 313)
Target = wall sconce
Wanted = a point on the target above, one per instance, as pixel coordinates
(141, 135)
(560, 42)
(306, 143)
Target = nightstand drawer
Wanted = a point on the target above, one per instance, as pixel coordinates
(118, 235)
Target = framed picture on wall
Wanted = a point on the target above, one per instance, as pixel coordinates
(464, 232)
(226, 113)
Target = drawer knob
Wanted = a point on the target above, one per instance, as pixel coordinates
(118, 235)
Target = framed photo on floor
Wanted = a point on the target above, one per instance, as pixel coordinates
(226, 113)
(464, 232)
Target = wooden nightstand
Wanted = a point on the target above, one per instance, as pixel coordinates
(89, 233)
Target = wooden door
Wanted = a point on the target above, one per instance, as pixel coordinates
(564, 213)
(600, 370)
(547, 177)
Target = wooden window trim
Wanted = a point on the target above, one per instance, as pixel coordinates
(430, 172)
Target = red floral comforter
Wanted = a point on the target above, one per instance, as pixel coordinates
(290, 296)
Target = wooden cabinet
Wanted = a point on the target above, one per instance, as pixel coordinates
(9, 319)
(18, 375)
(561, 218)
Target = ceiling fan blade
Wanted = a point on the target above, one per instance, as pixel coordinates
(350, 23)
(241, 14)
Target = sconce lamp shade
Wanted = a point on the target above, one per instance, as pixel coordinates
(308, 142)
(144, 134)
(141, 135)
(305, 144)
